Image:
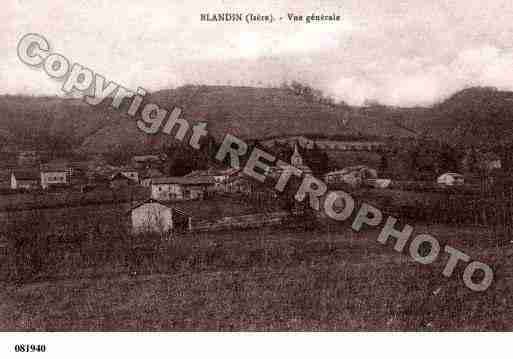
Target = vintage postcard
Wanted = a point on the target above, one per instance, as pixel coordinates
(255, 166)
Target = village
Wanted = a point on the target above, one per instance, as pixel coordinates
(158, 203)
(166, 204)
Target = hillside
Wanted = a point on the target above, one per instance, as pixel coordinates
(250, 113)
(476, 115)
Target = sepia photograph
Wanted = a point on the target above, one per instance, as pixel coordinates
(272, 166)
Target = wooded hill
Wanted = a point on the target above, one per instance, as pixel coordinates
(477, 116)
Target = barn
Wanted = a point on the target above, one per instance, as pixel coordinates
(158, 217)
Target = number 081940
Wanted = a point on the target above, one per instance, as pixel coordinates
(29, 348)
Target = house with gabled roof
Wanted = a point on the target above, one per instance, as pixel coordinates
(153, 216)
(25, 179)
(219, 176)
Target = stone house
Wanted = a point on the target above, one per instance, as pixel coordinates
(219, 177)
(179, 188)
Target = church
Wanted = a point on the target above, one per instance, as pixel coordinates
(296, 160)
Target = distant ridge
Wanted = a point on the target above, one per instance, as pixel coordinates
(471, 116)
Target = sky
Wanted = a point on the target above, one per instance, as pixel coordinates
(396, 52)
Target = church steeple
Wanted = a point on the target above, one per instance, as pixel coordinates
(296, 160)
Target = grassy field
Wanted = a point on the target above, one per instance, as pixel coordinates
(268, 279)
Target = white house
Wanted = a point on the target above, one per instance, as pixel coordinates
(451, 179)
(156, 217)
(21, 179)
(54, 174)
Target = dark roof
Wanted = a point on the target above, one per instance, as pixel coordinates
(56, 165)
(172, 205)
(26, 175)
(119, 175)
(150, 200)
(183, 180)
(53, 168)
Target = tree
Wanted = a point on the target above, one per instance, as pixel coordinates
(317, 159)
(470, 161)
(383, 163)
(447, 159)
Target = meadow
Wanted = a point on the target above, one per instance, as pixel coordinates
(325, 278)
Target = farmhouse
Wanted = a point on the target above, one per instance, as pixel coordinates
(180, 188)
(54, 174)
(218, 176)
(158, 217)
(451, 179)
(24, 179)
